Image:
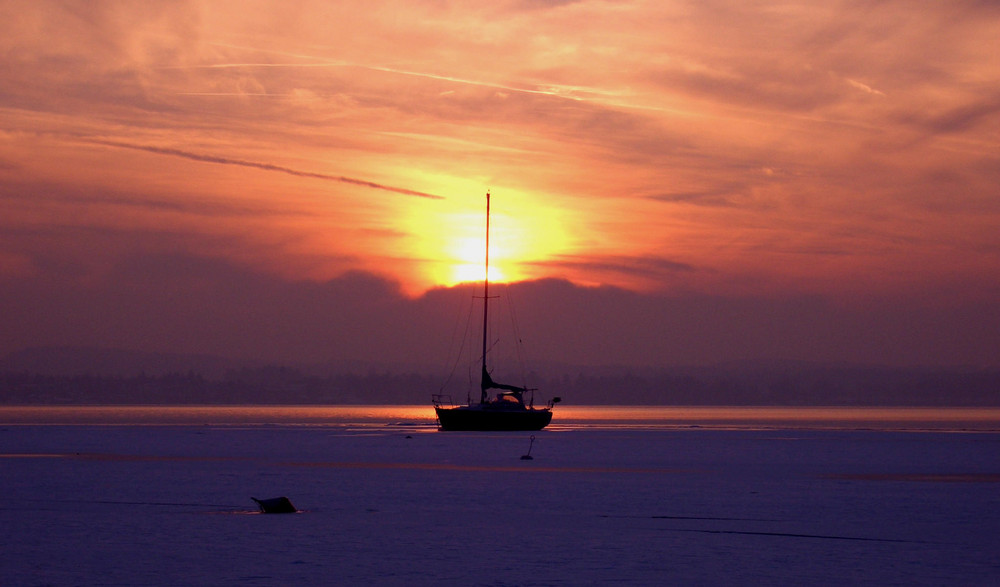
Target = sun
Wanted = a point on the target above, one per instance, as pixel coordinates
(468, 256)
(464, 251)
(452, 239)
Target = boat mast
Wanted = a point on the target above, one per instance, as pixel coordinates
(486, 297)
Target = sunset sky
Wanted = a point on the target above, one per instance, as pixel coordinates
(706, 181)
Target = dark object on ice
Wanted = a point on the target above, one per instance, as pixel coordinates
(508, 409)
(528, 456)
(275, 505)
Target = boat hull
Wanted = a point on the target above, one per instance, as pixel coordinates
(479, 418)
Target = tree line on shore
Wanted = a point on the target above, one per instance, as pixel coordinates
(799, 386)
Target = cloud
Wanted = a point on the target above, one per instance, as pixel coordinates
(864, 87)
(635, 129)
(724, 196)
(266, 167)
(960, 118)
(187, 304)
(652, 268)
(52, 195)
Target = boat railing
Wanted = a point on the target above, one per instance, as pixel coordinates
(442, 400)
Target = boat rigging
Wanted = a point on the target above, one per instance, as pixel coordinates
(506, 410)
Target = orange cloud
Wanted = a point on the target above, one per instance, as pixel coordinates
(765, 146)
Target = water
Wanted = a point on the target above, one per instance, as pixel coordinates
(421, 417)
(624, 495)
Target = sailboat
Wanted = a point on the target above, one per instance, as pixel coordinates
(507, 409)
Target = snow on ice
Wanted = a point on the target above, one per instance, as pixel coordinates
(408, 505)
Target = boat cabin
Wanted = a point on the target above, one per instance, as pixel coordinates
(508, 400)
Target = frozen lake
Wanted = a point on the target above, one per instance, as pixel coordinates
(154, 496)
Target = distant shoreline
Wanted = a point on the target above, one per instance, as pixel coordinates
(80, 376)
(813, 386)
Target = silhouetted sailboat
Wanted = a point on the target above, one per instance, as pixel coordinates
(507, 410)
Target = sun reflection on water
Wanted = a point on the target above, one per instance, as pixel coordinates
(566, 418)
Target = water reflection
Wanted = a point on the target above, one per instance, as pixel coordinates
(766, 417)
(566, 417)
(217, 415)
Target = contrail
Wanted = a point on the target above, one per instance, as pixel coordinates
(267, 167)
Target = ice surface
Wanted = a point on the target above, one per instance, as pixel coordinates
(407, 505)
